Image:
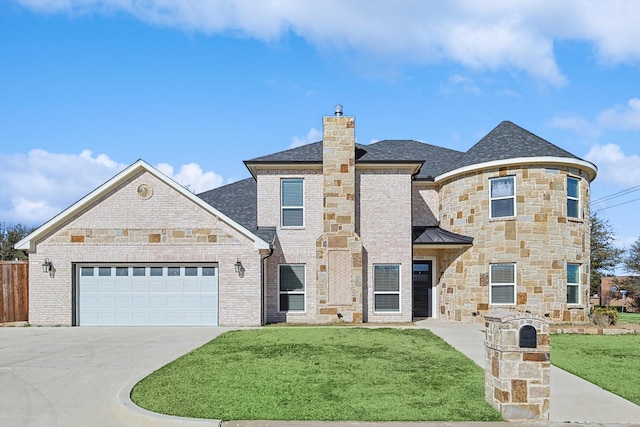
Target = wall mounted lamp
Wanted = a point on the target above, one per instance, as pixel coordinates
(238, 266)
(46, 266)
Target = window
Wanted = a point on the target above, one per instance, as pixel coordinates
(502, 197)
(291, 287)
(386, 288)
(173, 271)
(502, 279)
(191, 271)
(87, 271)
(104, 271)
(292, 202)
(208, 271)
(573, 197)
(155, 271)
(573, 283)
(139, 271)
(122, 271)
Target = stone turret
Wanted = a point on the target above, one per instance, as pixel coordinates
(339, 249)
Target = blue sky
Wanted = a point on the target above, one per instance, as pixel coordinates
(195, 87)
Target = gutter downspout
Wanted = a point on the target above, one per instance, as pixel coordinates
(263, 293)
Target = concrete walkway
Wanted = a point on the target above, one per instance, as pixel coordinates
(572, 398)
(83, 376)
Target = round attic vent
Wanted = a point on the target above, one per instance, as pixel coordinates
(145, 191)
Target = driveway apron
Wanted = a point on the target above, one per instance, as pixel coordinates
(71, 376)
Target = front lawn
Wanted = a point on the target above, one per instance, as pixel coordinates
(320, 373)
(629, 318)
(609, 361)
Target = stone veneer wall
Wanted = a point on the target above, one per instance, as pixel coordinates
(540, 239)
(517, 379)
(339, 248)
(124, 228)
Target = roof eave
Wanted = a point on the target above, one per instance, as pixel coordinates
(442, 245)
(140, 165)
(588, 167)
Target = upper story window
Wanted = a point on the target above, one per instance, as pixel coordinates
(573, 197)
(573, 283)
(292, 202)
(503, 200)
(502, 279)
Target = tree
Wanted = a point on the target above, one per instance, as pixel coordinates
(604, 255)
(632, 260)
(9, 236)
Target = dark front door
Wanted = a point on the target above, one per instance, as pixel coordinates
(422, 279)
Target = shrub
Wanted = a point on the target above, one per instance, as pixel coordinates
(604, 316)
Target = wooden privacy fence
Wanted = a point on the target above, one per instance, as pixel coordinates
(14, 293)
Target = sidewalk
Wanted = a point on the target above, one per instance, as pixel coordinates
(572, 398)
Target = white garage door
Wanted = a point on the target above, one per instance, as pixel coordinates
(141, 295)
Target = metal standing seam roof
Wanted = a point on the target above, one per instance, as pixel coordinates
(434, 235)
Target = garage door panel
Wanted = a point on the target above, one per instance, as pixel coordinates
(148, 295)
(122, 302)
(139, 286)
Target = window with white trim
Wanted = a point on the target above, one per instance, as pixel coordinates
(291, 287)
(573, 283)
(386, 288)
(502, 283)
(292, 202)
(503, 200)
(573, 197)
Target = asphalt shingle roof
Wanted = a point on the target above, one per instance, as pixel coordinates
(506, 141)
(239, 202)
(312, 153)
(436, 159)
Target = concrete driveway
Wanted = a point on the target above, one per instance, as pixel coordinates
(72, 376)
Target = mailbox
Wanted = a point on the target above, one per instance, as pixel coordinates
(528, 337)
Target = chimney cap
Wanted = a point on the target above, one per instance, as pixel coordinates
(338, 110)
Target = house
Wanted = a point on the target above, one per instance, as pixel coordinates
(611, 291)
(332, 231)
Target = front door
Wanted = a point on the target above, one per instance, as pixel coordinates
(422, 279)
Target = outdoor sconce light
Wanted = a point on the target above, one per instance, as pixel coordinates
(46, 266)
(238, 266)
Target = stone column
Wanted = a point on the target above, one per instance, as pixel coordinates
(339, 249)
(517, 366)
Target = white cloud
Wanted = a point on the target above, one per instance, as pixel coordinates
(614, 165)
(37, 186)
(314, 135)
(576, 123)
(622, 117)
(487, 35)
(192, 177)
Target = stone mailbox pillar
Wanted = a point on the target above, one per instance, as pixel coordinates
(517, 366)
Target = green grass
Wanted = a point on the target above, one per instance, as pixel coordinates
(320, 373)
(629, 318)
(609, 361)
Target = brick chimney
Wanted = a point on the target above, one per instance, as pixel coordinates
(339, 249)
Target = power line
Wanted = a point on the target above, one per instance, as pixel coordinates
(616, 195)
(619, 204)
